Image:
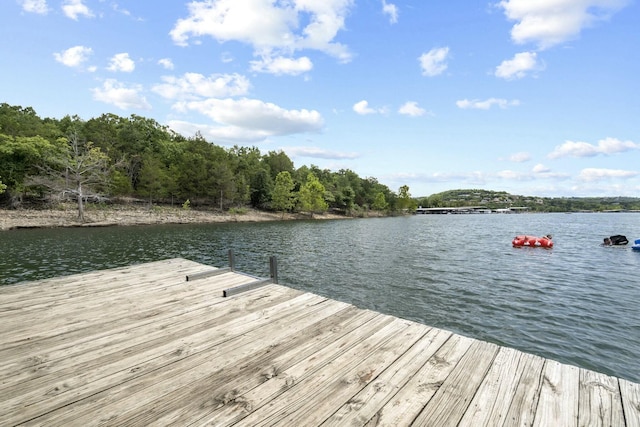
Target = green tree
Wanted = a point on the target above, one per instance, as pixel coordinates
(435, 201)
(18, 159)
(369, 192)
(261, 187)
(278, 161)
(346, 199)
(120, 185)
(311, 196)
(2, 187)
(155, 180)
(17, 121)
(380, 202)
(404, 201)
(346, 178)
(300, 176)
(252, 177)
(229, 189)
(193, 171)
(282, 198)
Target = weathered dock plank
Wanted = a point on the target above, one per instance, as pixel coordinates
(450, 402)
(146, 299)
(119, 359)
(58, 287)
(630, 402)
(142, 346)
(508, 393)
(558, 401)
(365, 405)
(127, 402)
(599, 402)
(315, 398)
(407, 404)
(184, 352)
(87, 328)
(249, 372)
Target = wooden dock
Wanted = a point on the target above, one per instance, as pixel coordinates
(143, 346)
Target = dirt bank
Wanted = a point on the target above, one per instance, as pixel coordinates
(67, 216)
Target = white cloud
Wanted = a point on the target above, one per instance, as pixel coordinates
(510, 175)
(193, 86)
(74, 56)
(486, 104)
(434, 61)
(520, 157)
(518, 67)
(476, 177)
(411, 109)
(35, 6)
(237, 121)
(121, 62)
(391, 10)
(220, 134)
(589, 189)
(116, 7)
(74, 8)
(319, 153)
(595, 174)
(226, 57)
(282, 65)
(482, 177)
(540, 171)
(272, 28)
(166, 63)
(614, 145)
(118, 94)
(574, 149)
(551, 22)
(605, 146)
(362, 108)
(253, 120)
(540, 168)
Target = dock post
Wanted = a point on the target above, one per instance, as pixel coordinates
(273, 268)
(232, 260)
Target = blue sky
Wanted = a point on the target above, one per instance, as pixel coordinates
(536, 98)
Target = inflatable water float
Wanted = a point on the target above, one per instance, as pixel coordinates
(532, 242)
(636, 245)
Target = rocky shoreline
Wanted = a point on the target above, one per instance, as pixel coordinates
(67, 216)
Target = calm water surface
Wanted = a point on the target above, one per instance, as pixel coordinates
(578, 303)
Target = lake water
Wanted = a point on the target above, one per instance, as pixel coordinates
(578, 303)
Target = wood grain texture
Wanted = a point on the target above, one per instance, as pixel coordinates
(142, 346)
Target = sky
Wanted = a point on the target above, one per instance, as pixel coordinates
(532, 97)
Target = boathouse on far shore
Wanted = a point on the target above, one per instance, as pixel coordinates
(469, 210)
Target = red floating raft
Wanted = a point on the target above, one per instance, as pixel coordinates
(532, 241)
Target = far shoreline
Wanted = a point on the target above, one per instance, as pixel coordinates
(66, 216)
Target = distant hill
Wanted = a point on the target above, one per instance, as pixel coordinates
(502, 199)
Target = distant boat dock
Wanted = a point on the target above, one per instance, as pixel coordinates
(470, 210)
(177, 342)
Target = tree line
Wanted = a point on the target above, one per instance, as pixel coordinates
(45, 160)
(502, 199)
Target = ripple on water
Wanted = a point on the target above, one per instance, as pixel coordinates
(578, 303)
